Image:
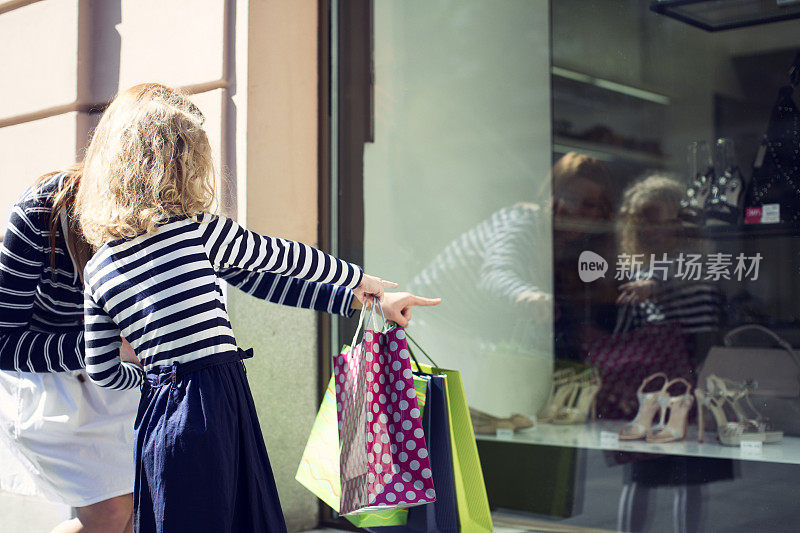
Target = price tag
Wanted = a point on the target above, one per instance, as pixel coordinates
(504, 433)
(771, 213)
(751, 448)
(609, 439)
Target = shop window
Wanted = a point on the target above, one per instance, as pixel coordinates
(601, 194)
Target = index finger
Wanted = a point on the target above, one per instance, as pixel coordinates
(419, 300)
(388, 284)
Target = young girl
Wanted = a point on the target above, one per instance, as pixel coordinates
(201, 463)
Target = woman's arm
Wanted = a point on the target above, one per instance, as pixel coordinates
(230, 246)
(290, 291)
(508, 267)
(23, 257)
(103, 343)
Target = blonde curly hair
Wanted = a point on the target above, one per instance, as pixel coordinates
(652, 202)
(149, 160)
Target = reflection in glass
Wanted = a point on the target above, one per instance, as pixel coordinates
(494, 278)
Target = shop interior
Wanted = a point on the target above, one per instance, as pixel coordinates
(527, 135)
(684, 121)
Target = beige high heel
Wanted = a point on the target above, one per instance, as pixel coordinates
(581, 405)
(673, 428)
(560, 391)
(738, 394)
(721, 394)
(638, 427)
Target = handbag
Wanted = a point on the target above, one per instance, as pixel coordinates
(772, 372)
(776, 179)
(384, 461)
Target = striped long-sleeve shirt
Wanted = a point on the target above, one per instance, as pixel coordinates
(695, 306)
(482, 272)
(162, 292)
(42, 307)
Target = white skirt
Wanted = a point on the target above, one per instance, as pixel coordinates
(64, 438)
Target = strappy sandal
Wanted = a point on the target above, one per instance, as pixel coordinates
(673, 427)
(581, 405)
(640, 425)
(723, 397)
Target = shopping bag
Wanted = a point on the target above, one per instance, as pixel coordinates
(319, 466)
(442, 515)
(384, 459)
(472, 502)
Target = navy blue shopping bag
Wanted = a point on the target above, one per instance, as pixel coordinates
(441, 515)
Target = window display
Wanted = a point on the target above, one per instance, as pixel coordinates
(615, 246)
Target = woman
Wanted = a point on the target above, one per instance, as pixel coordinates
(75, 438)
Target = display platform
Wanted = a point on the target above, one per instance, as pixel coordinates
(603, 436)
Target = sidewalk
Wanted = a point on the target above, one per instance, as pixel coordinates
(30, 513)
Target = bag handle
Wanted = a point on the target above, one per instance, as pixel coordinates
(783, 343)
(377, 303)
(371, 318)
(433, 363)
(361, 323)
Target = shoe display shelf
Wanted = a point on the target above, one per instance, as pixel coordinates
(603, 119)
(606, 152)
(743, 231)
(603, 436)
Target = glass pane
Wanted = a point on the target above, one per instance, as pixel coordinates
(456, 184)
(603, 195)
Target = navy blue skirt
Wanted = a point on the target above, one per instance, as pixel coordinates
(201, 462)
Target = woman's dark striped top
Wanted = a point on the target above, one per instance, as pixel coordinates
(695, 306)
(162, 292)
(41, 307)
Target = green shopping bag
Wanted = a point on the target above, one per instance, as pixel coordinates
(472, 502)
(319, 467)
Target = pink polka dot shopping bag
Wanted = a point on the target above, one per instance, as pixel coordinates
(384, 458)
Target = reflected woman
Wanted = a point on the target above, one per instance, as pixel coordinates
(497, 280)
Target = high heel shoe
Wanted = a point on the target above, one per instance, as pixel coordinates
(701, 175)
(560, 390)
(740, 397)
(724, 205)
(721, 398)
(672, 428)
(581, 405)
(638, 427)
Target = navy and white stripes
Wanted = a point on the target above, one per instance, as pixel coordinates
(499, 258)
(161, 292)
(41, 308)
